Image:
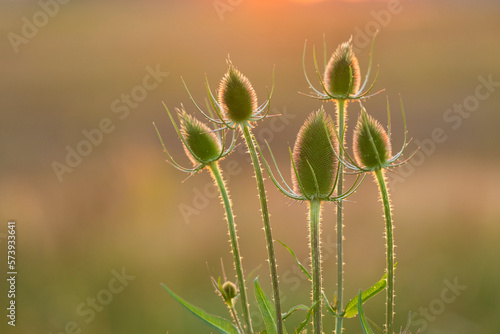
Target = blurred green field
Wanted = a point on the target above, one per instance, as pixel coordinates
(122, 209)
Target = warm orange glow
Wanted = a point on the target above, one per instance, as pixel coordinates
(316, 1)
(308, 1)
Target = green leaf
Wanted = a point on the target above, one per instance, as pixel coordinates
(364, 324)
(351, 309)
(266, 308)
(331, 310)
(222, 325)
(408, 324)
(297, 261)
(295, 308)
(306, 320)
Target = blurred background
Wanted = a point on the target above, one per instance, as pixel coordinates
(83, 173)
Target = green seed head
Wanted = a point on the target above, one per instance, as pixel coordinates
(229, 292)
(342, 74)
(372, 147)
(203, 145)
(237, 97)
(314, 158)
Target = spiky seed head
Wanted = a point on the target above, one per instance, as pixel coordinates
(313, 152)
(229, 292)
(342, 72)
(203, 143)
(372, 147)
(237, 97)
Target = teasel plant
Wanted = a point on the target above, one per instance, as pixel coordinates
(314, 169)
(205, 147)
(341, 83)
(229, 293)
(372, 151)
(237, 108)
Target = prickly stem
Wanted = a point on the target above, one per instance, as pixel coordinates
(267, 226)
(315, 232)
(384, 194)
(214, 168)
(341, 104)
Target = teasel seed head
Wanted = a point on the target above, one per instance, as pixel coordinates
(314, 158)
(342, 75)
(229, 292)
(371, 144)
(236, 97)
(203, 145)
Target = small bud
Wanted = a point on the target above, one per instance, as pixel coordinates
(204, 146)
(313, 152)
(229, 292)
(372, 147)
(342, 72)
(237, 97)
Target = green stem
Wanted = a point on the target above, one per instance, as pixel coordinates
(390, 250)
(267, 225)
(340, 218)
(214, 167)
(314, 227)
(235, 317)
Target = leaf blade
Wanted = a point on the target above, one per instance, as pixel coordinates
(364, 324)
(297, 260)
(351, 309)
(306, 320)
(222, 325)
(295, 308)
(266, 308)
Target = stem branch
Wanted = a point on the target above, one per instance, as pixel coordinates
(214, 167)
(235, 317)
(340, 217)
(314, 226)
(267, 225)
(390, 250)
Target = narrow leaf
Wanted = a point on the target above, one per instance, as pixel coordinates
(408, 324)
(331, 310)
(351, 309)
(222, 325)
(295, 308)
(306, 320)
(364, 324)
(266, 308)
(297, 260)
(379, 330)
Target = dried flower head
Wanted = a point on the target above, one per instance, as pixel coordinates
(342, 75)
(371, 144)
(314, 161)
(237, 97)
